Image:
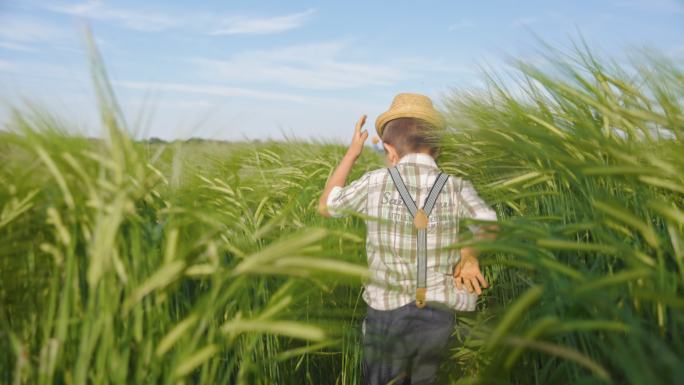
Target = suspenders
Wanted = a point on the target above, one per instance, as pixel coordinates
(420, 222)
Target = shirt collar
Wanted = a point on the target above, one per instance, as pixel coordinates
(418, 158)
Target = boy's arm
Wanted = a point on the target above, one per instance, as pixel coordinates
(467, 272)
(339, 176)
(488, 232)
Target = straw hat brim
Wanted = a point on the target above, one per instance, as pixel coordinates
(431, 116)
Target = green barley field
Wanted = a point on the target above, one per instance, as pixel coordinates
(200, 262)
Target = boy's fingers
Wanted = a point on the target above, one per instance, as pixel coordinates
(457, 280)
(468, 285)
(360, 123)
(457, 270)
(476, 285)
(482, 280)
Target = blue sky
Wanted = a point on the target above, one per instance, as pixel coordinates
(238, 69)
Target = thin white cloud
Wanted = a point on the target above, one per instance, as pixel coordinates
(16, 47)
(49, 73)
(152, 20)
(462, 24)
(524, 22)
(262, 26)
(6, 65)
(19, 30)
(309, 66)
(674, 6)
(140, 19)
(210, 90)
(320, 66)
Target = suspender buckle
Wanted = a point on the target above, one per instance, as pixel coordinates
(420, 297)
(420, 221)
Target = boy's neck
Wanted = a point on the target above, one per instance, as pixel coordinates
(417, 154)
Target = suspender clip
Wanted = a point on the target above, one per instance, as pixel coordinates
(420, 297)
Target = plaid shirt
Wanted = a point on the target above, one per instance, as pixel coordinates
(391, 237)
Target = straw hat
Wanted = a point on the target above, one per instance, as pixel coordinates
(406, 105)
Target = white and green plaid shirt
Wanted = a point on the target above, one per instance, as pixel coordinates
(391, 236)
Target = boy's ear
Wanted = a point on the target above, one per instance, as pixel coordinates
(392, 155)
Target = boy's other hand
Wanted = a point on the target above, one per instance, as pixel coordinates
(467, 273)
(359, 138)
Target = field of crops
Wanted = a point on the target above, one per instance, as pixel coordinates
(206, 263)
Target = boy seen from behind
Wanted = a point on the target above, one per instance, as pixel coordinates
(413, 214)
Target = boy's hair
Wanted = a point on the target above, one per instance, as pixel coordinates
(409, 135)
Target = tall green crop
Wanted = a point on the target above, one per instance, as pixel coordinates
(584, 163)
(123, 262)
(206, 262)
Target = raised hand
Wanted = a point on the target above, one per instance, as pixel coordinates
(359, 138)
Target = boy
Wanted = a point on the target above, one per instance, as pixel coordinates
(412, 212)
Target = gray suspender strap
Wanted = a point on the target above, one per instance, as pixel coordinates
(420, 221)
(403, 192)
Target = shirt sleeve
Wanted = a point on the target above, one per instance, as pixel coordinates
(472, 206)
(348, 199)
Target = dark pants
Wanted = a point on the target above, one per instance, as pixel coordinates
(405, 345)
